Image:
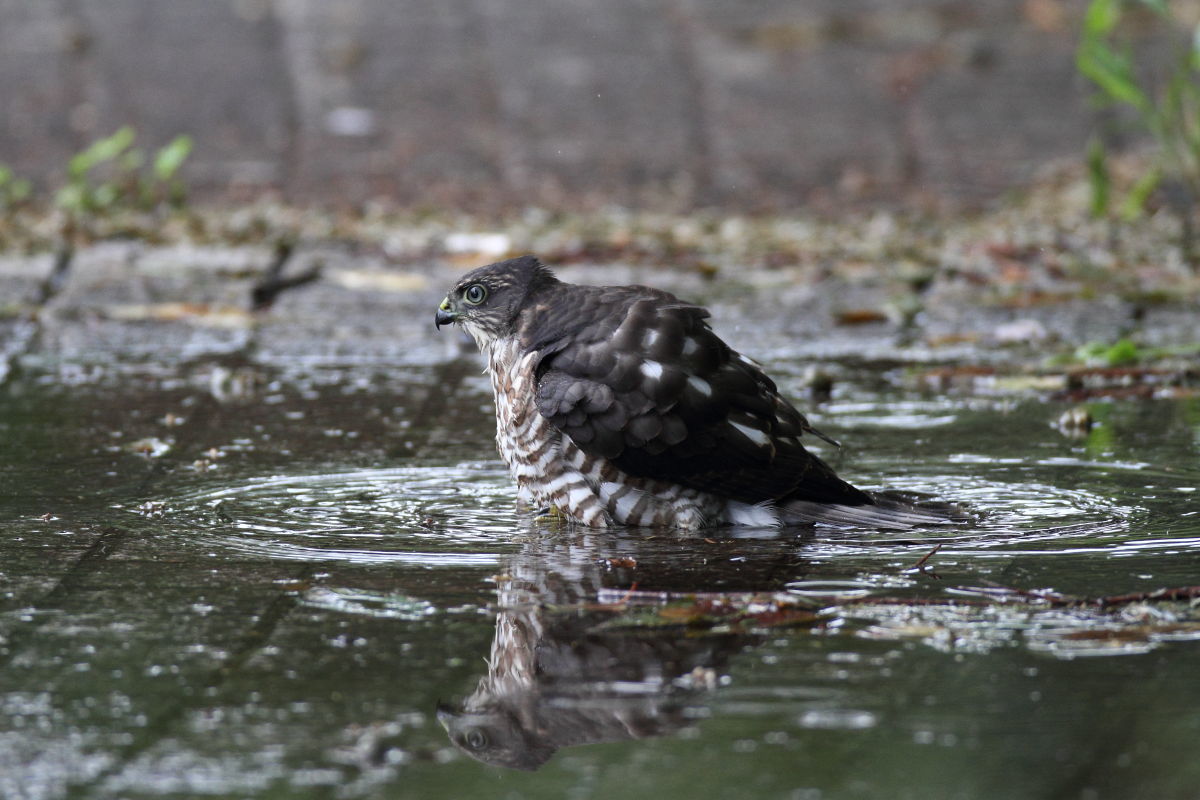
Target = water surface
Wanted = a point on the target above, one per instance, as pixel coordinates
(237, 580)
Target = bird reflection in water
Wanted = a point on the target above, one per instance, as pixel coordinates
(563, 671)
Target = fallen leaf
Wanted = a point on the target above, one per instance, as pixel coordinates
(860, 316)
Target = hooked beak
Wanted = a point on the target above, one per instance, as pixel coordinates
(445, 315)
(446, 714)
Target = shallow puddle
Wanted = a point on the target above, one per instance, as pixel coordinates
(246, 581)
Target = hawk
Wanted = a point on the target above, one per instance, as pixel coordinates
(618, 405)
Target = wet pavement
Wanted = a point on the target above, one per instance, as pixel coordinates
(274, 554)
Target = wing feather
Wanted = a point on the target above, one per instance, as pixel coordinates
(643, 381)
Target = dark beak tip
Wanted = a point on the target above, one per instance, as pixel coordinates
(443, 317)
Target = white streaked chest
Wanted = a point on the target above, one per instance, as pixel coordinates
(526, 440)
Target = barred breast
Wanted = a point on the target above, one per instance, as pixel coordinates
(551, 471)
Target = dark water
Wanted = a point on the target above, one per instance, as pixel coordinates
(236, 581)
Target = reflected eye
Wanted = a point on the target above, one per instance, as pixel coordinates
(476, 739)
(475, 294)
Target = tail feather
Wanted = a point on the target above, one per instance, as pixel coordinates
(884, 511)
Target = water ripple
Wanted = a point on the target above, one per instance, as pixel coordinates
(430, 516)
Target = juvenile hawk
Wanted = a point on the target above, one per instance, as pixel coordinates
(618, 405)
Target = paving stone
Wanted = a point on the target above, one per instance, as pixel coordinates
(509, 103)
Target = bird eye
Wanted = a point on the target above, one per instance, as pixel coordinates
(476, 739)
(475, 294)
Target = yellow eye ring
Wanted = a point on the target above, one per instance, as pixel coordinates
(475, 294)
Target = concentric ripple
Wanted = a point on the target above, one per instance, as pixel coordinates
(1052, 517)
(432, 516)
(465, 514)
(1043, 507)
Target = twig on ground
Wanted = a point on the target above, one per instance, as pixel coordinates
(920, 565)
(273, 283)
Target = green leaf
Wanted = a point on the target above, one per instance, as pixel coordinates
(113, 146)
(1112, 72)
(101, 150)
(1090, 352)
(1135, 202)
(170, 158)
(5, 174)
(72, 197)
(1122, 354)
(106, 195)
(79, 164)
(1101, 17)
(1099, 180)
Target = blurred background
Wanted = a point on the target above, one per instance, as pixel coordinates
(676, 104)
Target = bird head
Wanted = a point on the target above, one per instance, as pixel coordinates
(487, 300)
(495, 736)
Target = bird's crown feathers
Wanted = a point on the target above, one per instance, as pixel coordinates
(525, 272)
